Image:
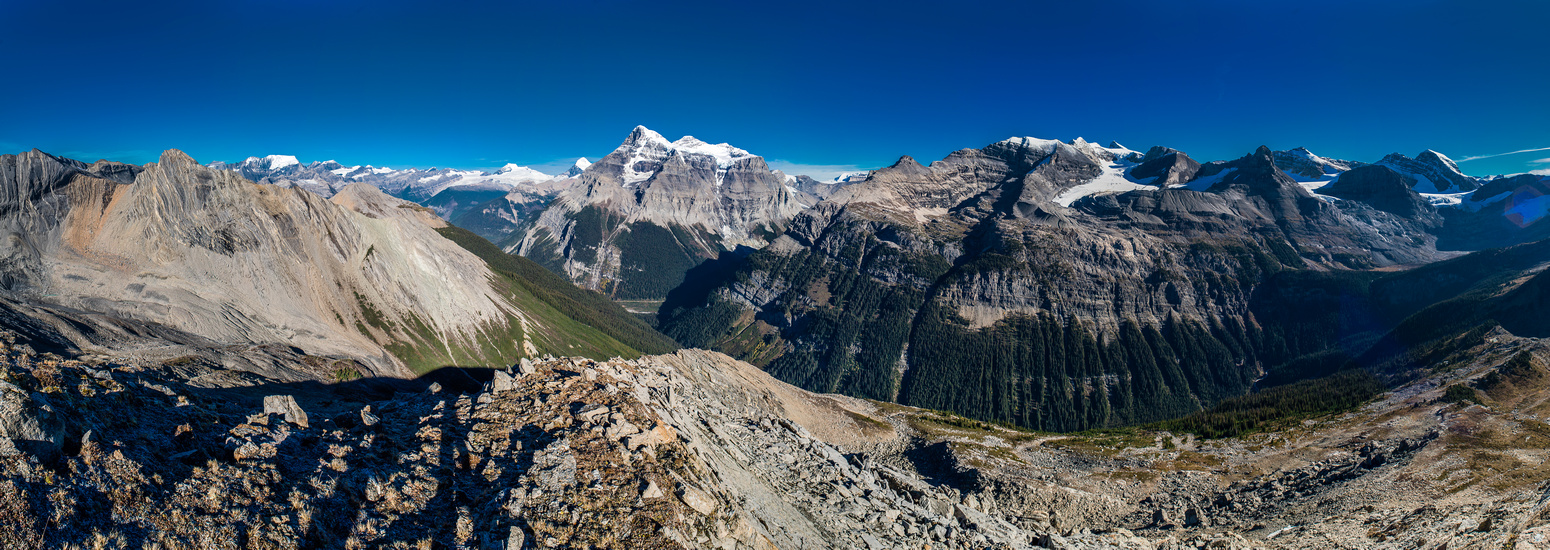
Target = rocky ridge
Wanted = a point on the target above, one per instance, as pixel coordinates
(683, 451)
(188, 253)
(695, 450)
(980, 247)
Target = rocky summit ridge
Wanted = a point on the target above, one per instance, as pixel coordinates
(113, 257)
(637, 219)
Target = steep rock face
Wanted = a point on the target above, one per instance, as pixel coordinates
(33, 201)
(499, 219)
(1251, 195)
(208, 253)
(824, 189)
(968, 285)
(640, 217)
(1433, 172)
(1166, 167)
(1382, 188)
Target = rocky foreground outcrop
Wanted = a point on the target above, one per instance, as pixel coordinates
(690, 450)
(695, 450)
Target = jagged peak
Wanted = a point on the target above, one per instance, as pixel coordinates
(1434, 157)
(175, 156)
(642, 134)
(1030, 142)
(1159, 151)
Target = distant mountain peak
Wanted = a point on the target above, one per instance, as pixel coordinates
(172, 156)
(273, 162)
(641, 135)
(1434, 172)
(1439, 159)
(578, 167)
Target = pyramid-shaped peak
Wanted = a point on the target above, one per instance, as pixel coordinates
(642, 134)
(1433, 157)
(175, 156)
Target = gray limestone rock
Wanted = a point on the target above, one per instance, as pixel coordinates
(502, 382)
(28, 424)
(286, 406)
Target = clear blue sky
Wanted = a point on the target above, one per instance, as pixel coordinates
(478, 84)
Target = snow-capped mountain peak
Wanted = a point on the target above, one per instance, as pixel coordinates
(1434, 172)
(580, 166)
(642, 135)
(516, 173)
(1306, 167)
(1439, 159)
(275, 162)
(722, 152)
(848, 177)
(645, 151)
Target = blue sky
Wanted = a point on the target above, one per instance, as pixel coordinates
(827, 85)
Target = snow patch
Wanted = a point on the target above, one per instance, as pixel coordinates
(723, 153)
(1205, 183)
(515, 172)
(277, 162)
(653, 149)
(848, 177)
(1445, 200)
(1110, 181)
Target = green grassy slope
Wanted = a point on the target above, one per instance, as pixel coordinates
(562, 304)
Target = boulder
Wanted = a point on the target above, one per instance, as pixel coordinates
(28, 424)
(699, 500)
(367, 418)
(502, 382)
(286, 405)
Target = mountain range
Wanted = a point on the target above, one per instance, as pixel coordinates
(1032, 343)
(1130, 255)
